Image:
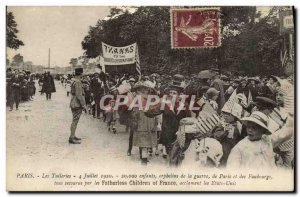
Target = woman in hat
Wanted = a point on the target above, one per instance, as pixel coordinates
(256, 150)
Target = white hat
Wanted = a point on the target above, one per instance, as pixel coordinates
(131, 79)
(287, 90)
(260, 119)
(97, 70)
(237, 110)
(212, 148)
(124, 88)
(147, 84)
(242, 98)
(233, 107)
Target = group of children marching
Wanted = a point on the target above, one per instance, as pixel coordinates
(233, 125)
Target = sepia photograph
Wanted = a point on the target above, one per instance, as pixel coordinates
(150, 98)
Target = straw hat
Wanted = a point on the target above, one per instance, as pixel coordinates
(145, 84)
(260, 119)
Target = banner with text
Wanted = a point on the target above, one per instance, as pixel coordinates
(119, 55)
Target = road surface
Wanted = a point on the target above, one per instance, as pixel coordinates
(38, 133)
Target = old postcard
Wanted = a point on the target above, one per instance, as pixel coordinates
(150, 98)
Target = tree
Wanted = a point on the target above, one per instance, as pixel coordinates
(28, 65)
(256, 49)
(17, 60)
(73, 62)
(12, 40)
(250, 43)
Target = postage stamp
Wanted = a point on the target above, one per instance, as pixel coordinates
(195, 28)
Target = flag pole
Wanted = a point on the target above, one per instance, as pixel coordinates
(137, 60)
(49, 59)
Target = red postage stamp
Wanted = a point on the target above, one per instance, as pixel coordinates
(195, 28)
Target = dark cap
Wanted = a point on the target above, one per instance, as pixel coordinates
(175, 87)
(254, 79)
(275, 78)
(99, 66)
(78, 71)
(215, 69)
(178, 77)
(236, 81)
(243, 79)
(204, 88)
(265, 103)
(211, 92)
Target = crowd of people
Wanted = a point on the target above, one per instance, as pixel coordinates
(235, 121)
(20, 86)
(232, 121)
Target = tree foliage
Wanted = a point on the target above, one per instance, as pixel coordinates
(250, 43)
(73, 62)
(12, 40)
(17, 60)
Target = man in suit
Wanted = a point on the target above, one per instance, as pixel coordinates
(77, 104)
(17, 83)
(48, 85)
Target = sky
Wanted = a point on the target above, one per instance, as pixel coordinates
(61, 29)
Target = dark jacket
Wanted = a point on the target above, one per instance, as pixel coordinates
(253, 90)
(48, 84)
(218, 84)
(170, 124)
(17, 83)
(228, 142)
(96, 87)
